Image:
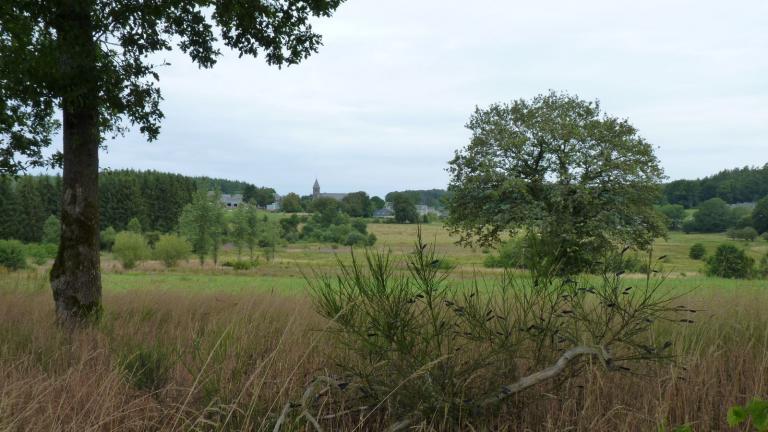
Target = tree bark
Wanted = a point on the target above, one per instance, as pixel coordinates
(75, 276)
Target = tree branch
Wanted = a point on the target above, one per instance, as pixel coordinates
(550, 372)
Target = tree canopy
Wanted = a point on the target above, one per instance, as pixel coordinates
(558, 168)
(91, 61)
(713, 215)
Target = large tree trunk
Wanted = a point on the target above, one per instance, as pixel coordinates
(75, 276)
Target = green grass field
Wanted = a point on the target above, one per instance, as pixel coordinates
(214, 340)
(286, 272)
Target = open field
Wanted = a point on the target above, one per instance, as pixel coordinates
(293, 259)
(215, 349)
(221, 360)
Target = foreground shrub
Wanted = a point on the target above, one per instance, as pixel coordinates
(730, 262)
(130, 248)
(12, 255)
(697, 251)
(422, 347)
(170, 249)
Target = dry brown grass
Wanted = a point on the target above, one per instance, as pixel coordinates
(222, 361)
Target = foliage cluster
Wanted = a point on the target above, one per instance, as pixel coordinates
(730, 262)
(12, 255)
(558, 169)
(746, 234)
(329, 224)
(697, 251)
(130, 248)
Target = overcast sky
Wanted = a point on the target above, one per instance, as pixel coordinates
(383, 105)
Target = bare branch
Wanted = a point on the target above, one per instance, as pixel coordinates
(550, 372)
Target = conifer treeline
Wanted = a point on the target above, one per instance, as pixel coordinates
(737, 185)
(155, 198)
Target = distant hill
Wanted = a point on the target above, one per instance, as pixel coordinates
(738, 185)
(429, 197)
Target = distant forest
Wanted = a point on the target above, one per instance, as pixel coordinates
(737, 185)
(155, 198)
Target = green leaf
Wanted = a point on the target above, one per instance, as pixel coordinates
(736, 415)
(758, 410)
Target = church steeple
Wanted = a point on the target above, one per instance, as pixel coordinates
(316, 190)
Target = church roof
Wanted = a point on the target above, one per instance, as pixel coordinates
(316, 185)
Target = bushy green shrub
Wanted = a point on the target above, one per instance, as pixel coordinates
(107, 238)
(41, 252)
(697, 251)
(730, 262)
(170, 249)
(12, 255)
(765, 236)
(240, 264)
(763, 267)
(130, 248)
(355, 238)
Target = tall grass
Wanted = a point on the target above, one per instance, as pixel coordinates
(176, 359)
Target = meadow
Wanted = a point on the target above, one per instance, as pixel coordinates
(210, 348)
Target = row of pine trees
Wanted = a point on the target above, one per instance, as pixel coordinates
(155, 198)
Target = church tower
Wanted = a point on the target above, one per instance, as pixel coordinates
(316, 190)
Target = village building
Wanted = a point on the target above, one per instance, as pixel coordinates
(231, 201)
(317, 194)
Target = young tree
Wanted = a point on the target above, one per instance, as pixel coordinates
(291, 203)
(130, 248)
(170, 249)
(713, 215)
(32, 214)
(760, 215)
(10, 210)
(357, 204)
(674, 214)
(90, 60)
(134, 226)
(202, 222)
(327, 211)
(51, 230)
(377, 203)
(404, 208)
(556, 168)
(252, 229)
(240, 231)
(107, 237)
